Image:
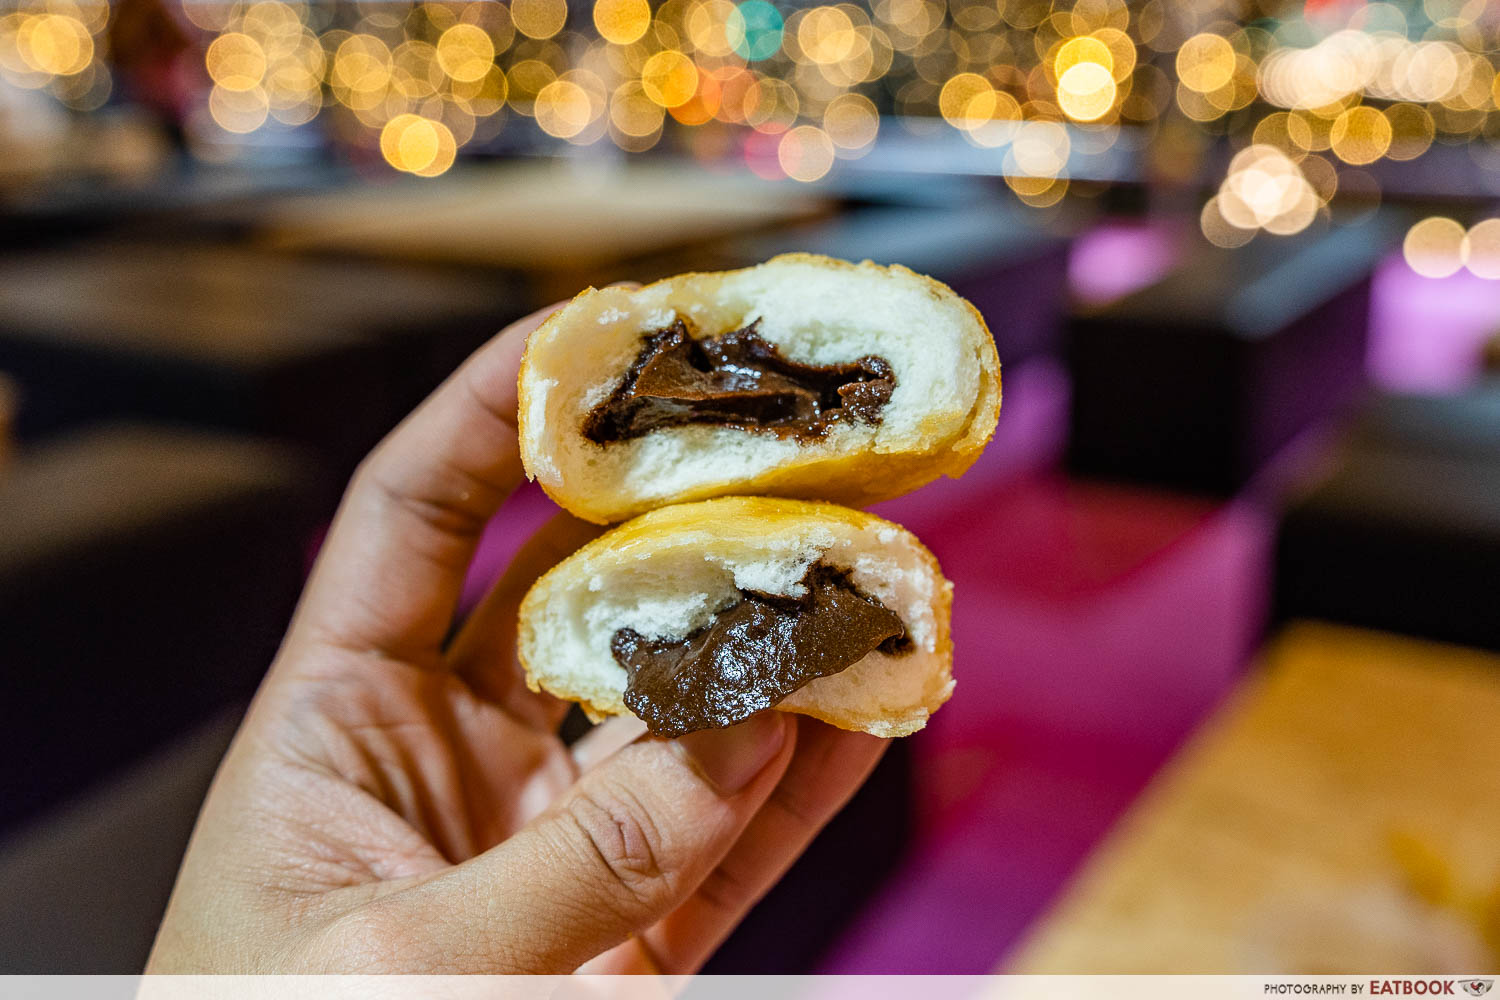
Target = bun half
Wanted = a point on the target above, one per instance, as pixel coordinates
(813, 310)
(668, 574)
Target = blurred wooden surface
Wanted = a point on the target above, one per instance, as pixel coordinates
(9, 402)
(571, 220)
(146, 578)
(222, 304)
(1353, 775)
(326, 353)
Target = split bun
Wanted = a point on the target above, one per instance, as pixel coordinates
(667, 574)
(813, 310)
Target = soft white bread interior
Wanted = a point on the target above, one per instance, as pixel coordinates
(667, 573)
(815, 310)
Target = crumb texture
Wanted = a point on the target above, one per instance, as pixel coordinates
(815, 310)
(666, 574)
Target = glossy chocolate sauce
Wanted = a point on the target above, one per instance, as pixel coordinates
(754, 653)
(736, 379)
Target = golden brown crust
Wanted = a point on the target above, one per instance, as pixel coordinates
(856, 477)
(638, 538)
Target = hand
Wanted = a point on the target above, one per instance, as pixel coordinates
(395, 802)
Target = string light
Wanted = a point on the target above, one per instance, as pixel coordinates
(1344, 90)
(1435, 247)
(1439, 247)
(1482, 251)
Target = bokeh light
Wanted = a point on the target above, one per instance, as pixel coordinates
(1086, 91)
(563, 109)
(55, 44)
(1220, 231)
(1333, 90)
(465, 52)
(1360, 135)
(1205, 63)
(1434, 247)
(621, 21)
(967, 101)
(539, 18)
(1265, 189)
(1412, 130)
(755, 30)
(238, 111)
(1482, 252)
(805, 153)
(417, 145)
(851, 122)
(669, 78)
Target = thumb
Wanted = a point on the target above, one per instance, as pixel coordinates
(624, 847)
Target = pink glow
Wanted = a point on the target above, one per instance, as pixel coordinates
(1117, 258)
(1093, 628)
(523, 513)
(1428, 334)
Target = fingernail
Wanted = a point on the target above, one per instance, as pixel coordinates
(729, 759)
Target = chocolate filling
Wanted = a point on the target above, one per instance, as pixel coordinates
(754, 653)
(736, 379)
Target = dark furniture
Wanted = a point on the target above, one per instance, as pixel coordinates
(796, 923)
(325, 353)
(1402, 531)
(1194, 382)
(146, 578)
(83, 888)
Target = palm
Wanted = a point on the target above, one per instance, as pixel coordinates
(430, 773)
(380, 807)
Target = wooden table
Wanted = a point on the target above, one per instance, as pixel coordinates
(146, 578)
(1340, 814)
(1197, 380)
(566, 224)
(327, 353)
(8, 406)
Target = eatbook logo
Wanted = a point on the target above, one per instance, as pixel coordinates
(1477, 987)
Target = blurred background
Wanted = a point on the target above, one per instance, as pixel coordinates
(1228, 579)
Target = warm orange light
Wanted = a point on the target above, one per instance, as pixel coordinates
(805, 153)
(418, 145)
(1287, 132)
(1412, 131)
(632, 113)
(826, 35)
(851, 121)
(465, 52)
(1220, 231)
(1434, 247)
(539, 18)
(525, 81)
(669, 78)
(621, 21)
(55, 44)
(1264, 189)
(1205, 62)
(1360, 135)
(563, 109)
(238, 111)
(709, 27)
(1086, 91)
(1083, 49)
(1482, 251)
(966, 101)
(235, 61)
